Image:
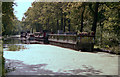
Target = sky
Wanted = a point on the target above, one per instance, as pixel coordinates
(21, 8)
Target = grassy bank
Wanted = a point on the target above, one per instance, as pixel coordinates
(113, 49)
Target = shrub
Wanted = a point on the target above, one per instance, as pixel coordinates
(116, 49)
(15, 48)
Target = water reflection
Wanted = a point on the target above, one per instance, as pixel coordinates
(17, 67)
(6, 42)
(12, 41)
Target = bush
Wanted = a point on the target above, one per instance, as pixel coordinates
(115, 49)
(15, 48)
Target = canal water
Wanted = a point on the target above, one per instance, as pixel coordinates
(42, 59)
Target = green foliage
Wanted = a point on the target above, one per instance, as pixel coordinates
(10, 24)
(15, 48)
(7, 17)
(116, 49)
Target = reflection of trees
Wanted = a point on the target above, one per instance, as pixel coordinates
(87, 70)
(9, 68)
(4, 69)
(20, 68)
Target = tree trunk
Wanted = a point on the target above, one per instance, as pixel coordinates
(48, 24)
(64, 23)
(101, 33)
(57, 24)
(95, 18)
(69, 25)
(32, 30)
(36, 27)
(61, 21)
(81, 30)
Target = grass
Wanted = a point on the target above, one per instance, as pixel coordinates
(113, 49)
(15, 47)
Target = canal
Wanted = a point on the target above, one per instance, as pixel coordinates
(42, 59)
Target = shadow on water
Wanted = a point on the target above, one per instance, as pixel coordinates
(6, 43)
(88, 70)
(17, 67)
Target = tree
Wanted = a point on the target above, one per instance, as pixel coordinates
(95, 13)
(7, 17)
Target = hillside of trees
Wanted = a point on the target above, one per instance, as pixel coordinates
(101, 18)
